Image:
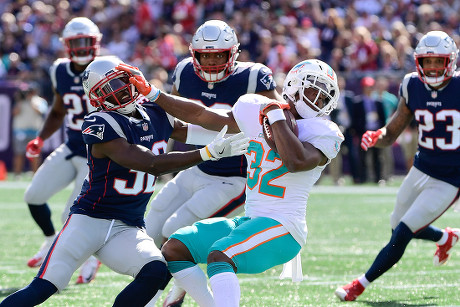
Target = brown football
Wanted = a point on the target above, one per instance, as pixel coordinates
(267, 129)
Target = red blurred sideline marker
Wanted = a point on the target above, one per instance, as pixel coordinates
(3, 172)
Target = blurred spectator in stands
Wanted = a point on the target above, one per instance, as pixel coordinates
(342, 116)
(28, 116)
(368, 114)
(405, 53)
(119, 47)
(364, 50)
(249, 37)
(329, 27)
(144, 21)
(184, 14)
(307, 32)
(425, 13)
(388, 59)
(337, 60)
(388, 15)
(163, 52)
(390, 103)
(16, 68)
(368, 6)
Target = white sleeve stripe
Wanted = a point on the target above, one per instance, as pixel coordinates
(405, 93)
(113, 123)
(171, 119)
(179, 70)
(53, 75)
(252, 82)
(256, 240)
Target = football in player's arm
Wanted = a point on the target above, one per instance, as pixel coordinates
(278, 184)
(125, 139)
(433, 183)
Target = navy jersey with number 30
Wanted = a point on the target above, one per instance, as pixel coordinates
(110, 190)
(438, 117)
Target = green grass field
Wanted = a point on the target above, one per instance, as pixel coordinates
(347, 227)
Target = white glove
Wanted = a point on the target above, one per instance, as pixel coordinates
(221, 147)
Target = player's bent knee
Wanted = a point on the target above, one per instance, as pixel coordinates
(175, 250)
(34, 197)
(154, 271)
(218, 256)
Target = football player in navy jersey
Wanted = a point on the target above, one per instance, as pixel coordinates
(212, 77)
(432, 185)
(125, 140)
(81, 38)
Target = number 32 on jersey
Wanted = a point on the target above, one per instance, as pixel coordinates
(263, 179)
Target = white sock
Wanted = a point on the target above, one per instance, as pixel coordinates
(226, 289)
(194, 281)
(363, 280)
(444, 238)
(154, 299)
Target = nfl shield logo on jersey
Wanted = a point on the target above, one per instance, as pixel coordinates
(145, 126)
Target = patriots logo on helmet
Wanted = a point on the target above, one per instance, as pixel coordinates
(95, 130)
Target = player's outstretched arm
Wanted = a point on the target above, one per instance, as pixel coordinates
(179, 107)
(53, 121)
(387, 135)
(140, 158)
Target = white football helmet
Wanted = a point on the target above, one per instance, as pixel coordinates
(436, 44)
(81, 38)
(312, 74)
(107, 87)
(214, 36)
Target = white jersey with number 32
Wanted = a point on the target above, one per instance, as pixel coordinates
(272, 191)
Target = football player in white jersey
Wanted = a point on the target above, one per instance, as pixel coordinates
(126, 139)
(81, 38)
(430, 96)
(213, 77)
(274, 228)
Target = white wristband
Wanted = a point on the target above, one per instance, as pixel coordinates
(275, 115)
(153, 96)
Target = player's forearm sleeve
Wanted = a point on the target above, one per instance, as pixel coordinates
(198, 135)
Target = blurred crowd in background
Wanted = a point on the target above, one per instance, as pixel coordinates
(369, 43)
